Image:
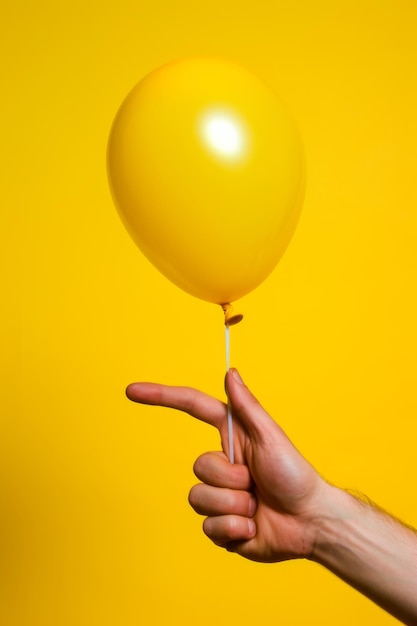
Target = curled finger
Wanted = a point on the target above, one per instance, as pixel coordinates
(225, 530)
(214, 501)
(213, 468)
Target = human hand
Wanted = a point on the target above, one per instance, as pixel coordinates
(272, 505)
(266, 506)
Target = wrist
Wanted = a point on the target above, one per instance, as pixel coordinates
(338, 511)
(370, 550)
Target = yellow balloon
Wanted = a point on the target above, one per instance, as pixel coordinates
(207, 170)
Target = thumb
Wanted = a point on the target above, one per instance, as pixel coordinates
(247, 408)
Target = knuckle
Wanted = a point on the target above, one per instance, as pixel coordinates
(201, 466)
(230, 501)
(208, 528)
(233, 528)
(193, 498)
(222, 531)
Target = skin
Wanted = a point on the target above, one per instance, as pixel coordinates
(272, 505)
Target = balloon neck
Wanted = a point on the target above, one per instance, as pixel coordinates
(231, 318)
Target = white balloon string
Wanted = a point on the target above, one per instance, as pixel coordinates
(229, 408)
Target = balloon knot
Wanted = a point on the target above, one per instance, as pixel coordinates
(231, 318)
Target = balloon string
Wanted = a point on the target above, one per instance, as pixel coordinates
(229, 408)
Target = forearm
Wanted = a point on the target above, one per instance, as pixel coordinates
(371, 551)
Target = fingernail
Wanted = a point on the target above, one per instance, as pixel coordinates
(251, 527)
(253, 505)
(237, 377)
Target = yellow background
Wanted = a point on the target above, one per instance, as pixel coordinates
(95, 527)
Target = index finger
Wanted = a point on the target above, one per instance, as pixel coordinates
(195, 403)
